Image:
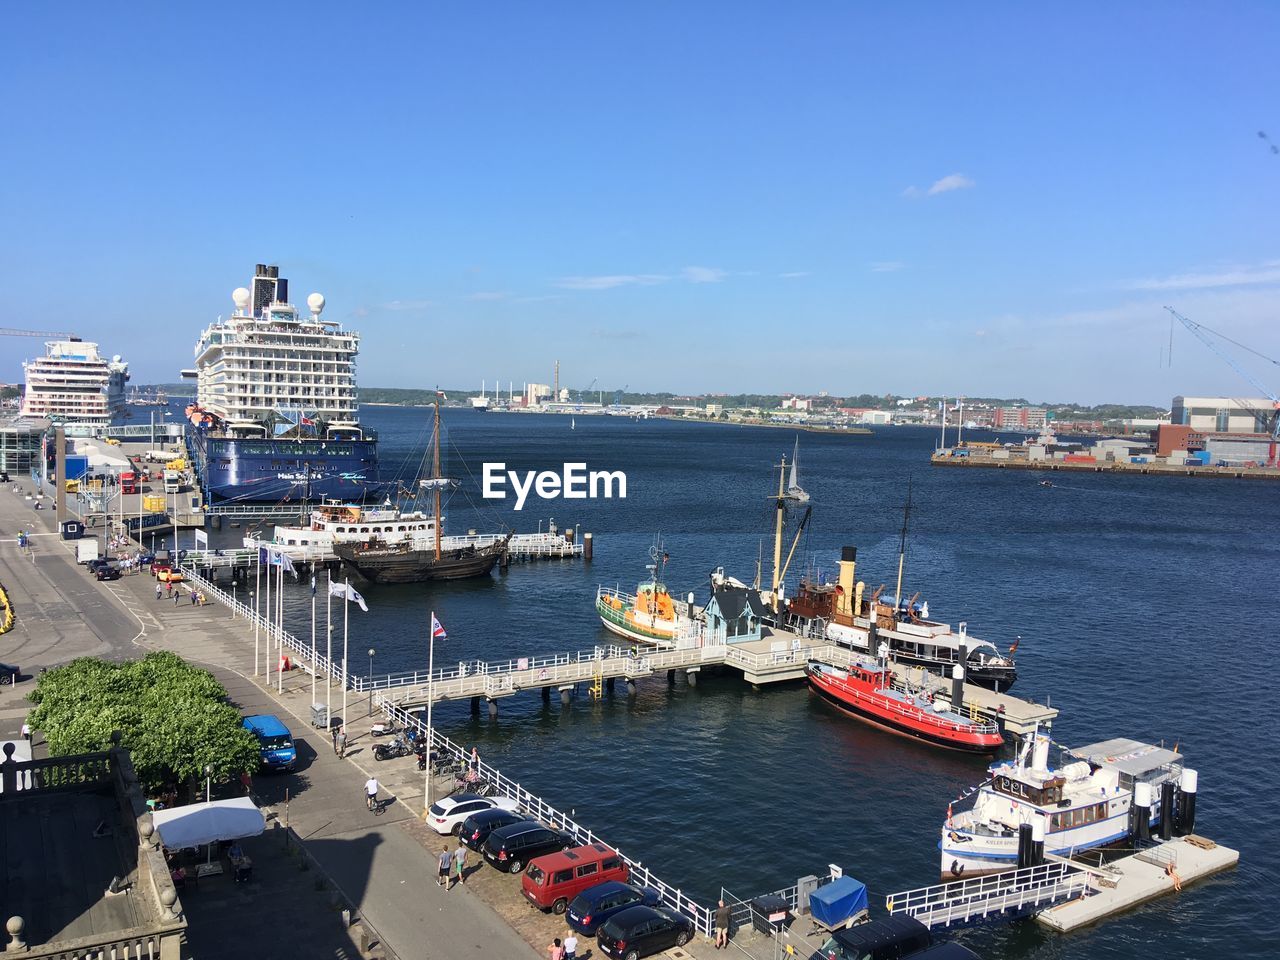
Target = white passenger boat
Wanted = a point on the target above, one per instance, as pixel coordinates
(335, 522)
(1084, 804)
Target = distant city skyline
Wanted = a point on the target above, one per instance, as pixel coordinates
(718, 197)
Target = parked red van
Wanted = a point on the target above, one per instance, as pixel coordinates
(554, 879)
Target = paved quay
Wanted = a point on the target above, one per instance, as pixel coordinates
(379, 864)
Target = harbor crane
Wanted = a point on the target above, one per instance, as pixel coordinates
(1270, 418)
(587, 392)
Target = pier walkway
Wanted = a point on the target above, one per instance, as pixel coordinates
(1013, 892)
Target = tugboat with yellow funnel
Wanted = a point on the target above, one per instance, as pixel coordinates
(649, 615)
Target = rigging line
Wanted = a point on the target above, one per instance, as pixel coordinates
(493, 514)
(1238, 344)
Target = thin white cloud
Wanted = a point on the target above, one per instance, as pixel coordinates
(952, 181)
(1235, 276)
(794, 274)
(487, 295)
(396, 305)
(704, 274)
(611, 281)
(887, 266)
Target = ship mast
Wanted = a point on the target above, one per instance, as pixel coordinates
(435, 472)
(902, 549)
(777, 534)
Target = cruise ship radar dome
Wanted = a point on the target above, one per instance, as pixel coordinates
(240, 296)
(316, 302)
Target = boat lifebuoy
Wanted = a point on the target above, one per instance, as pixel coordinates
(957, 868)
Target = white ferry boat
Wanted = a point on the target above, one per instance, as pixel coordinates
(276, 417)
(335, 522)
(73, 383)
(1082, 805)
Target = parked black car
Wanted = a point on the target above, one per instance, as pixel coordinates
(887, 939)
(108, 572)
(476, 828)
(639, 931)
(96, 564)
(592, 907)
(9, 673)
(509, 848)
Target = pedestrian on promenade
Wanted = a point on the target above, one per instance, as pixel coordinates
(446, 863)
(460, 863)
(722, 926)
(555, 951)
(475, 760)
(177, 597)
(193, 597)
(333, 731)
(342, 742)
(26, 732)
(159, 590)
(571, 946)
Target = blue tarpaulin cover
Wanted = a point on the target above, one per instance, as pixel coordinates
(837, 901)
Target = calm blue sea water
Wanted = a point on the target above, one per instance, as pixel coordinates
(1147, 608)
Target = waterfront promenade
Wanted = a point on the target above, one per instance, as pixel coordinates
(380, 865)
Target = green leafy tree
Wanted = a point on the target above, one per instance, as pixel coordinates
(174, 718)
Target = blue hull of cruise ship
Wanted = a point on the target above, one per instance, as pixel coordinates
(271, 471)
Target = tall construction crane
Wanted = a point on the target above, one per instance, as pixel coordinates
(55, 334)
(586, 392)
(1272, 417)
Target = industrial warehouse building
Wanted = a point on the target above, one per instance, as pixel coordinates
(1223, 414)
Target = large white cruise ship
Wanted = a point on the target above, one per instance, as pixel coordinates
(73, 383)
(275, 415)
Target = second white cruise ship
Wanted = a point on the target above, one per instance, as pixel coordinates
(73, 383)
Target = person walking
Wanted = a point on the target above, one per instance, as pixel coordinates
(571, 946)
(555, 951)
(194, 597)
(460, 863)
(26, 732)
(722, 926)
(333, 732)
(342, 742)
(168, 588)
(446, 863)
(177, 597)
(159, 590)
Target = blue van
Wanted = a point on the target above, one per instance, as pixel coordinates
(274, 740)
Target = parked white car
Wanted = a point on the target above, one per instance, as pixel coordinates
(446, 815)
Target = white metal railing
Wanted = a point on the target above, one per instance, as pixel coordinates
(283, 638)
(538, 808)
(947, 903)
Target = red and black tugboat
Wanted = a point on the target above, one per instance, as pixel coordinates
(865, 690)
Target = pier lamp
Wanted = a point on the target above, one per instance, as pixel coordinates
(208, 782)
(371, 653)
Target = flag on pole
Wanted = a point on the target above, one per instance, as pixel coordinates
(347, 592)
(282, 560)
(437, 631)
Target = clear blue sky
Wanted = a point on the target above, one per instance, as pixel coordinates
(909, 197)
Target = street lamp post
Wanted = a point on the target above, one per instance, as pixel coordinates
(233, 597)
(371, 653)
(208, 782)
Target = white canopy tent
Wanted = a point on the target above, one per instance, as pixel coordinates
(202, 823)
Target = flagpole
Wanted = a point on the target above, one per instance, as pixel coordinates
(257, 602)
(280, 644)
(328, 631)
(313, 636)
(346, 616)
(431, 656)
(271, 615)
